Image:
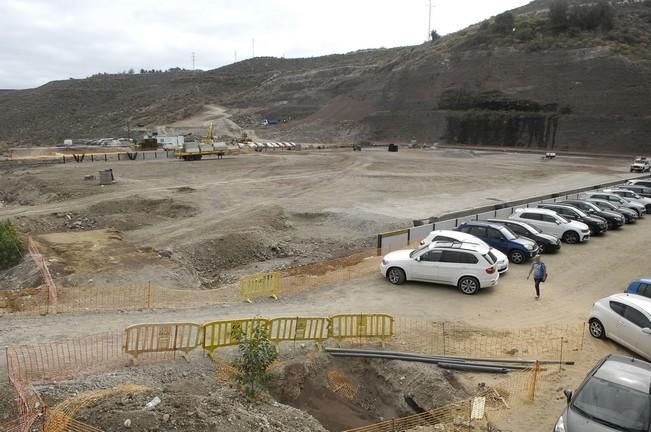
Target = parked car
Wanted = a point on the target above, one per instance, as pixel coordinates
(501, 260)
(614, 396)
(596, 224)
(640, 287)
(630, 215)
(645, 191)
(467, 266)
(640, 164)
(518, 249)
(550, 222)
(641, 182)
(612, 218)
(623, 318)
(632, 196)
(546, 243)
(620, 201)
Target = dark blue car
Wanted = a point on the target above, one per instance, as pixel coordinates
(640, 287)
(518, 249)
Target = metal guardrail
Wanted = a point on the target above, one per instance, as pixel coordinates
(422, 227)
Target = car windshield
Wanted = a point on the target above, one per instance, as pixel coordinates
(508, 233)
(613, 405)
(416, 252)
(562, 220)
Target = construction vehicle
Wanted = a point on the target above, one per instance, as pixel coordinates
(190, 151)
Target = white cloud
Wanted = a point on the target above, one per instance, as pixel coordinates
(45, 40)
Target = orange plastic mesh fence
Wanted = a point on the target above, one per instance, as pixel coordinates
(550, 341)
(147, 296)
(73, 357)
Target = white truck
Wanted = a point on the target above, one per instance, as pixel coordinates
(170, 142)
(640, 164)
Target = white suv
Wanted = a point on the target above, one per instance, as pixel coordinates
(501, 260)
(550, 222)
(465, 265)
(625, 319)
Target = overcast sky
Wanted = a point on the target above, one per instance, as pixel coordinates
(45, 40)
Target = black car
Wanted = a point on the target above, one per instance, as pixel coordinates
(630, 215)
(614, 219)
(547, 243)
(596, 224)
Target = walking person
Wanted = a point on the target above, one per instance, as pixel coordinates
(539, 271)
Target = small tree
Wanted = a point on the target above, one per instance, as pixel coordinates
(256, 355)
(558, 15)
(10, 246)
(434, 35)
(504, 23)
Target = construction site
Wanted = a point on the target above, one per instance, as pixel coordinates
(121, 285)
(352, 211)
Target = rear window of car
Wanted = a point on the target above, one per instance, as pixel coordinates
(491, 257)
(458, 257)
(532, 216)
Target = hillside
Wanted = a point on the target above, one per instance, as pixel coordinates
(536, 86)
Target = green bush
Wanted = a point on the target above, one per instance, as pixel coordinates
(10, 246)
(257, 353)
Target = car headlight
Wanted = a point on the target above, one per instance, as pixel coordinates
(560, 425)
(529, 247)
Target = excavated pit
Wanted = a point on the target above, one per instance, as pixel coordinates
(344, 393)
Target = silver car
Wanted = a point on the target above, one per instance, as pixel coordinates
(618, 201)
(613, 397)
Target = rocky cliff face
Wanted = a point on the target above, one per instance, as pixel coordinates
(534, 88)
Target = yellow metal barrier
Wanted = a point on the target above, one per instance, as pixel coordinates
(361, 325)
(260, 285)
(161, 337)
(218, 334)
(299, 328)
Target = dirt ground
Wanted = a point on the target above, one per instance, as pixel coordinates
(259, 211)
(219, 219)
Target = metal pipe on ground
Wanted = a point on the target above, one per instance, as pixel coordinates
(500, 368)
(451, 358)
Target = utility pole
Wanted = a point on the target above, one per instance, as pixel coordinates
(429, 22)
(235, 56)
(252, 48)
(193, 60)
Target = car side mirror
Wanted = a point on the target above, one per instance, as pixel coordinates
(646, 330)
(417, 258)
(568, 395)
(558, 222)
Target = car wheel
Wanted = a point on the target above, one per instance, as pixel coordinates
(468, 285)
(571, 237)
(597, 329)
(517, 256)
(396, 275)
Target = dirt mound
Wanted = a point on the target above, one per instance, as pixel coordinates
(124, 215)
(213, 258)
(23, 275)
(28, 190)
(165, 207)
(346, 393)
(192, 399)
